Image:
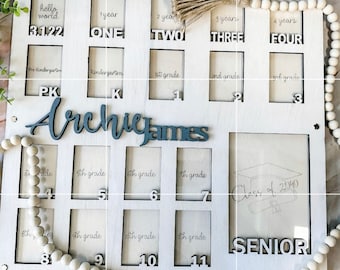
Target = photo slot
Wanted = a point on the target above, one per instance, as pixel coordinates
(91, 172)
(268, 177)
(88, 238)
(192, 238)
(105, 74)
(140, 237)
(226, 76)
(193, 174)
(142, 173)
(166, 75)
(47, 157)
(43, 72)
(28, 249)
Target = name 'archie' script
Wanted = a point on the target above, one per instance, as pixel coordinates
(118, 126)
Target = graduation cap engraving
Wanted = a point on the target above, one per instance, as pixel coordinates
(266, 187)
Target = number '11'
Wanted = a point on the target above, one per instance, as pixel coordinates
(202, 260)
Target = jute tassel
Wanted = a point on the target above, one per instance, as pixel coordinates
(188, 11)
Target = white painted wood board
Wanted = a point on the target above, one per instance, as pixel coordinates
(255, 113)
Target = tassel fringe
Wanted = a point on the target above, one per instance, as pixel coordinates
(188, 11)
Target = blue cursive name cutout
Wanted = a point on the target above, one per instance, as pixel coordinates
(130, 123)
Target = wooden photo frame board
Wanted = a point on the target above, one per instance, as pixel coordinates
(141, 139)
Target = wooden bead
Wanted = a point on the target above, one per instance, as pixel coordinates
(335, 36)
(266, 4)
(311, 4)
(38, 231)
(330, 79)
(323, 249)
(335, 44)
(26, 141)
(284, 6)
(336, 133)
(33, 180)
(32, 150)
(329, 88)
(333, 61)
(34, 190)
(15, 140)
(49, 248)
(321, 4)
(334, 53)
(328, 9)
(35, 221)
(33, 201)
(331, 70)
(35, 170)
(312, 265)
(319, 258)
(74, 264)
(333, 125)
(333, 17)
(330, 116)
(256, 4)
(66, 259)
(335, 26)
(85, 266)
(33, 211)
(34, 160)
(275, 6)
(42, 240)
(328, 97)
(56, 255)
(335, 233)
(329, 106)
(293, 6)
(303, 5)
(6, 144)
(330, 241)
(338, 227)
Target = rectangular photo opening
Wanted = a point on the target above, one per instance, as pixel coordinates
(286, 27)
(226, 76)
(88, 235)
(107, 19)
(47, 158)
(227, 24)
(286, 78)
(47, 18)
(192, 242)
(193, 174)
(166, 75)
(106, 67)
(142, 173)
(43, 71)
(269, 193)
(164, 25)
(28, 250)
(91, 172)
(140, 238)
